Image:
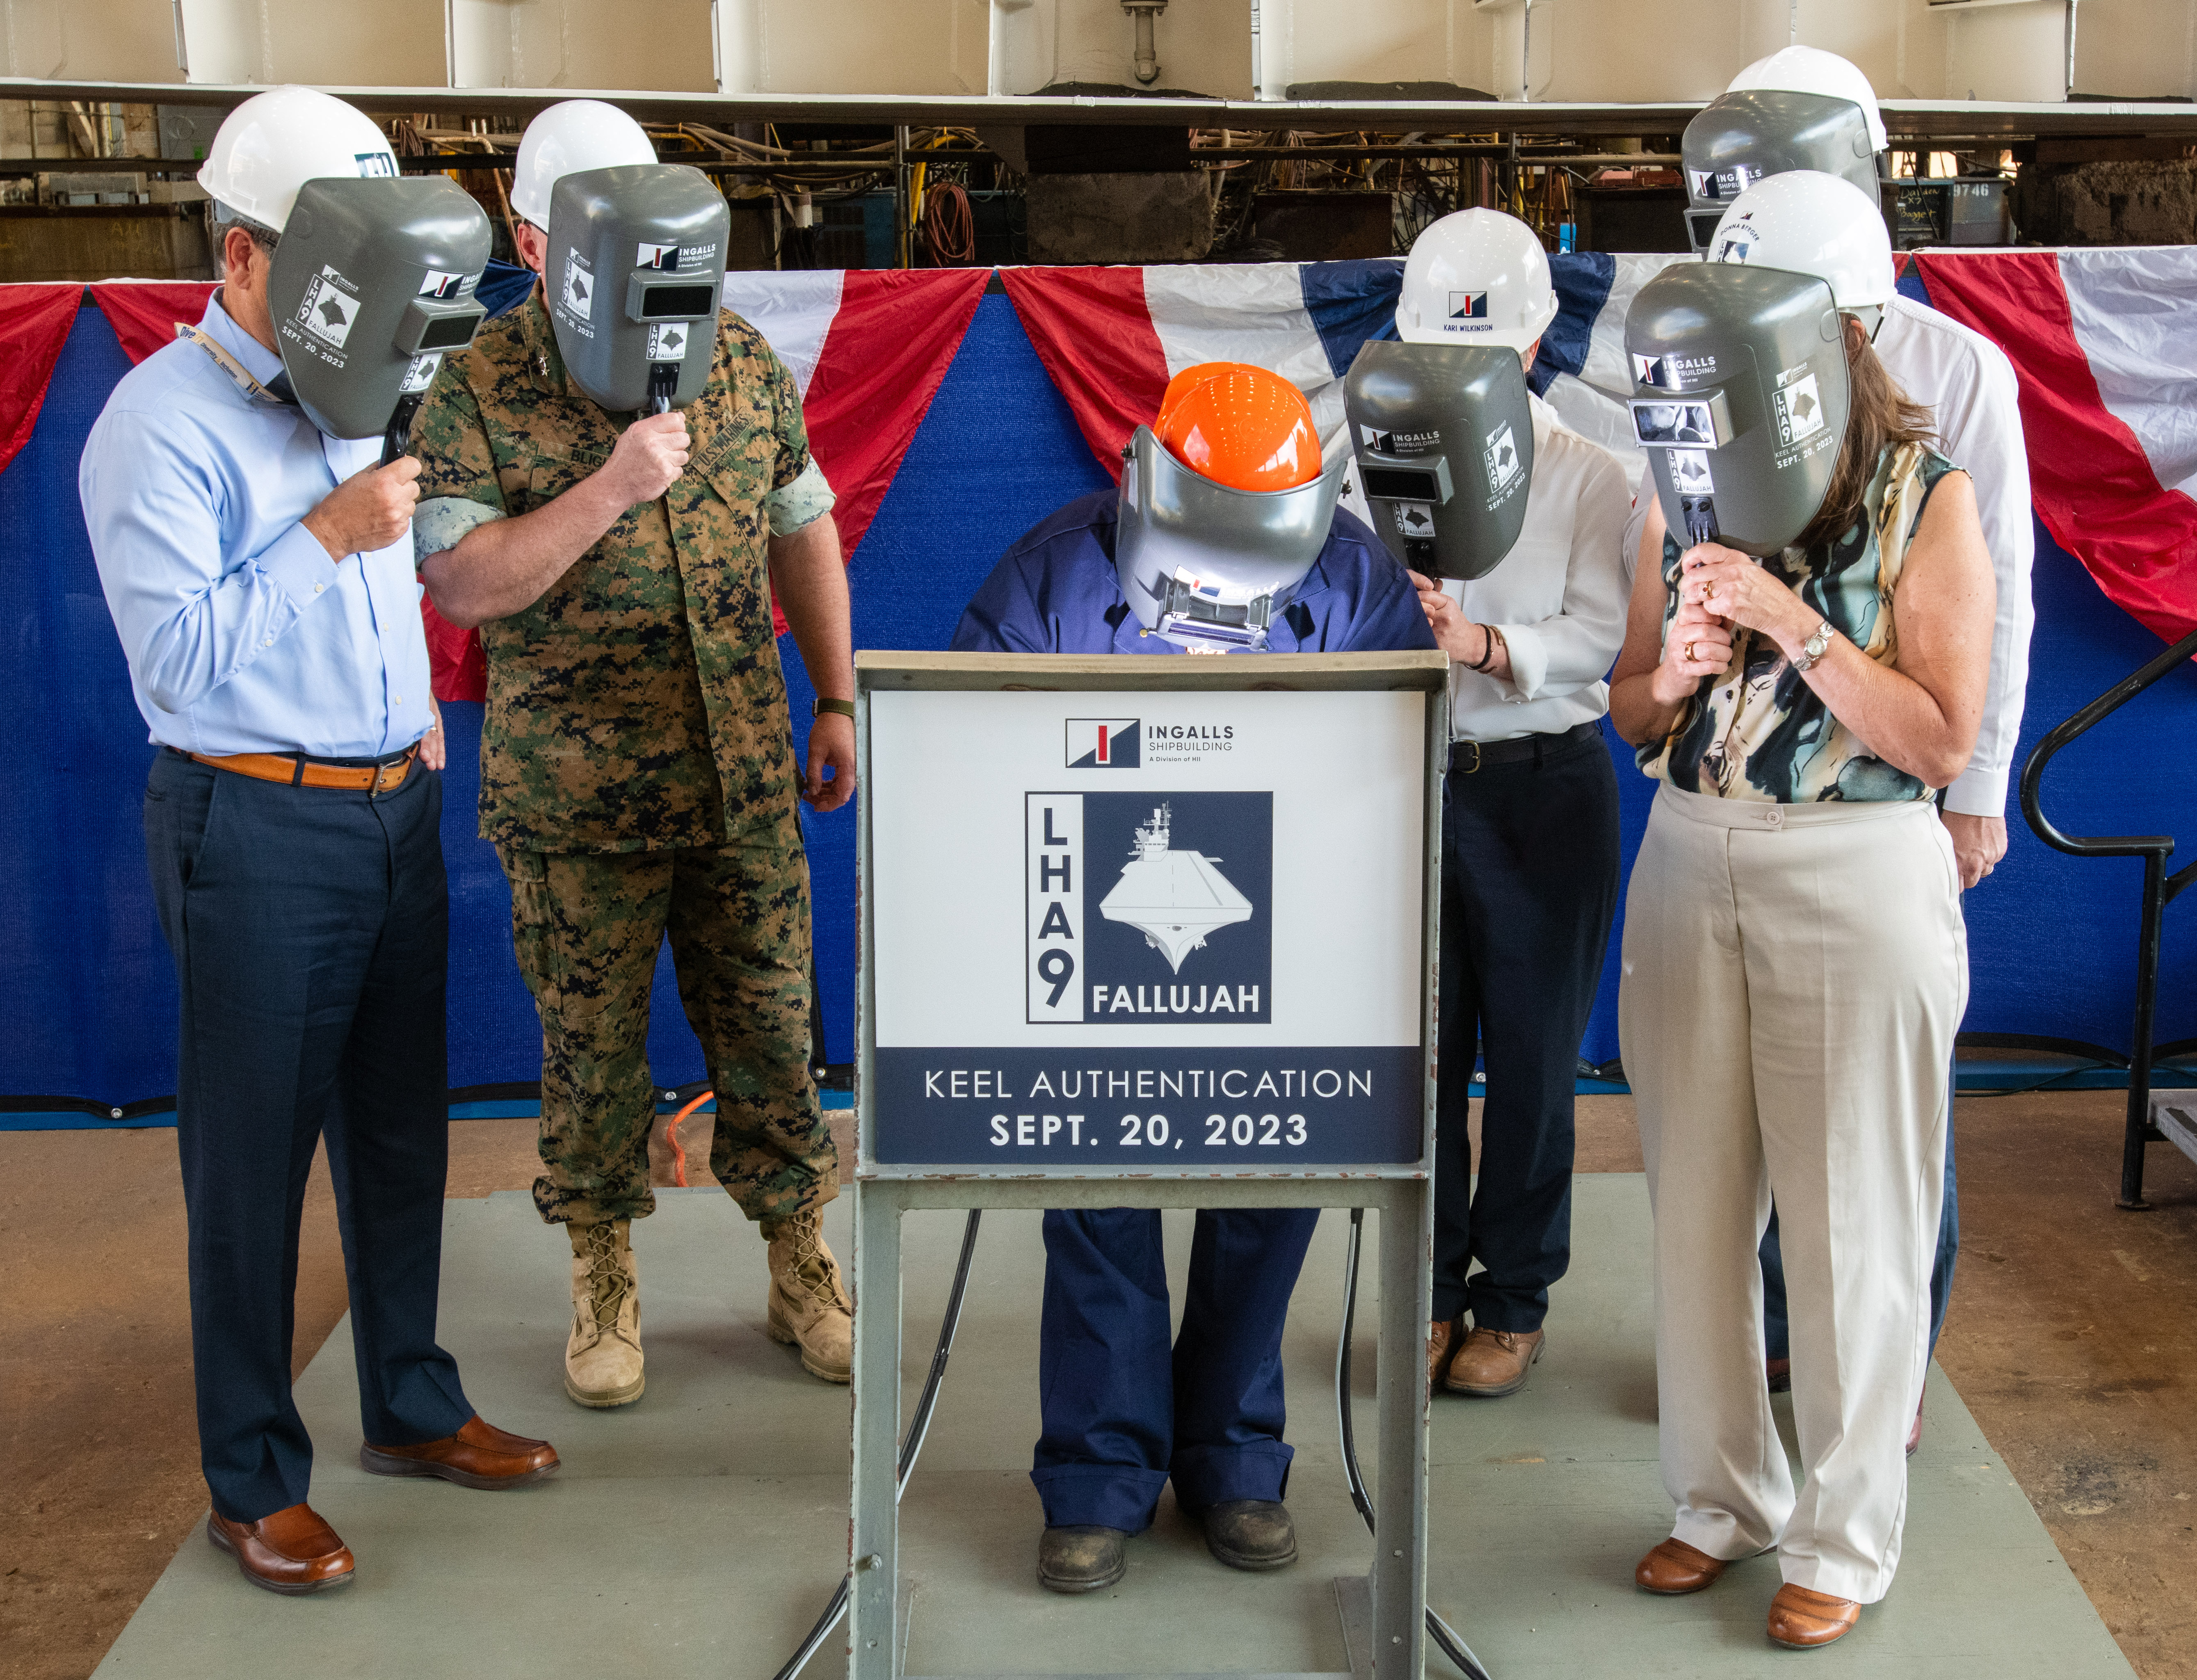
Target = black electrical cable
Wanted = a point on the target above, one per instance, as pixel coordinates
(1452, 1644)
(917, 1428)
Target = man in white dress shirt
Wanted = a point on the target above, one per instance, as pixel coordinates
(1529, 829)
(1968, 385)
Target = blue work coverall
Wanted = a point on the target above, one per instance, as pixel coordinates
(1121, 1414)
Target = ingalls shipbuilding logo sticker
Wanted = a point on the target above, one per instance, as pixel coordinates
(1144, 906)
(1104, 743)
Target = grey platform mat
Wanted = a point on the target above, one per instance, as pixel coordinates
(699, 1532)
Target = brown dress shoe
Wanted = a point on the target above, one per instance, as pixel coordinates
(1801, 1620)
(1675, 1568)
(480, 1455)
(1494, 1363)
(293, 1551)
(1442, 1337)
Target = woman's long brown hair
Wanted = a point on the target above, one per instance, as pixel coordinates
(1878, 416)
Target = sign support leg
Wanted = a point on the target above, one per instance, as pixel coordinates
(873, 1607)
(1399, 1539)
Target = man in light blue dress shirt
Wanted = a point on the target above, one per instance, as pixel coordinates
(260, 577)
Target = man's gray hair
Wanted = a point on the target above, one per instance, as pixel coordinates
(225, 216)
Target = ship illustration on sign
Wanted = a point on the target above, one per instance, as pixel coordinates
(1175, 899)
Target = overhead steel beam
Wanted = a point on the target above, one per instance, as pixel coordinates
(1979, 121)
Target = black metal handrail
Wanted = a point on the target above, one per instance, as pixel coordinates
(2159, 890)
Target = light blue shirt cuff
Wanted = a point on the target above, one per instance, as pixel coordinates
(299, 565)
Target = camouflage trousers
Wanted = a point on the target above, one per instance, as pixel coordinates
(586, 927)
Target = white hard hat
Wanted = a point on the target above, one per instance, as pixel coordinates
(1806, 222)
(567, 139)
(1812, 69)
(1477, 277)
(277, 140)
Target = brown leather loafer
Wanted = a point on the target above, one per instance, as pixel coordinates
(293, 1551)
(1675, 1568)
(480, 1455)
(1800, 1619)
(1441, 1346)
(1495, 1363)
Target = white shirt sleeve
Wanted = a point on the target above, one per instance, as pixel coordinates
(1575, 649)
(1979, 428)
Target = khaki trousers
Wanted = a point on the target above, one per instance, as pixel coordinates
(1793, 977)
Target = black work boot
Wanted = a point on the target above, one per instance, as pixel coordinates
(1251, 1534)
(1083, 1557)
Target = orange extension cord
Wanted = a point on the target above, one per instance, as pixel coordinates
(671, 1137)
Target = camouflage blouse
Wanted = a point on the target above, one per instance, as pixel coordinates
(639, 704)
(1758, 732)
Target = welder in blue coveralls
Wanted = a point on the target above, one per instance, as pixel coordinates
(1224, 538)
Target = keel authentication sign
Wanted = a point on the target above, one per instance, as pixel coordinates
(1156, 930)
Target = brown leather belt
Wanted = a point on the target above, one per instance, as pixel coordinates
(267, 766)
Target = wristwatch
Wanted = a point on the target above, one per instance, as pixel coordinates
(1814, 647)
(844, 707)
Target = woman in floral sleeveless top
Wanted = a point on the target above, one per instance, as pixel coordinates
(1793, 968)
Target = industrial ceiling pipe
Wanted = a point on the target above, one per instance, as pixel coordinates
(1148, 61)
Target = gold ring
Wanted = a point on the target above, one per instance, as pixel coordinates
(1690, 654)
(1708, 590)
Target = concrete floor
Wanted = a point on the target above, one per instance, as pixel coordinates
(2070, 1338)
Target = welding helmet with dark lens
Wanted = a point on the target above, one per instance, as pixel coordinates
(1224, 508)
(1443, 435)
(372, 285)
(1740, 390)
(1800, 108)
(634, 272)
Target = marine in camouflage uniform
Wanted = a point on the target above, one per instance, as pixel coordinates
(638, 781)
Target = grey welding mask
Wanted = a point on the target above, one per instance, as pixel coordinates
(1443, 437)
(1740, 398)
(1740, 138)
(634, 272)
(1207, 566)
(372, 284)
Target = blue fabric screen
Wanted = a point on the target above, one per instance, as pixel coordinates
(87, 998)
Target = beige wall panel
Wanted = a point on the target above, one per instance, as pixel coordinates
(1362, 41)
(1615, 50)
(665, 45)
(2136, 47)
(859, 46)
(89, 40)
(1203, 45)
(1023, 37)
(1898, 44)
(388, 43)
(2007, 52)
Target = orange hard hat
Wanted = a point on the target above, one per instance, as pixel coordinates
(1239, 425)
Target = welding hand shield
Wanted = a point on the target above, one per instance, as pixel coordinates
(1443, 437)
(372, 284)
(1206, 565)
(634, 273)
(1745, 136)
(1740, 399)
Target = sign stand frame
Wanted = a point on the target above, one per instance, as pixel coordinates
(1383, 1615)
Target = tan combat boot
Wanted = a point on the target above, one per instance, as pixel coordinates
(808, 1305)
(602, 1359)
